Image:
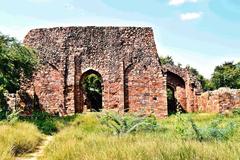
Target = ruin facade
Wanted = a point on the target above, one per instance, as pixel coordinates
(125, 58)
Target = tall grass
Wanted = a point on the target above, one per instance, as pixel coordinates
(17, 138)
(48, 124)
(87, 139)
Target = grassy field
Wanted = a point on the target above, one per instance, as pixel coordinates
(85, 137)
(17, 139)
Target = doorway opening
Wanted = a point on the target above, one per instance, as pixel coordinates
(91, 85)
(171, 100)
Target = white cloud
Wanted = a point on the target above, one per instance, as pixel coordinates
(180, 2)
(190, 16)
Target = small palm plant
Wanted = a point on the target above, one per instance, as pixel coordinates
(128, 123)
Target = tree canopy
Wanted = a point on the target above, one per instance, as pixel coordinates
(15, 59)
(166, 60)
(226, 75)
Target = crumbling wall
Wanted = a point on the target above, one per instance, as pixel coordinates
(125, 57)
(187, 87)
(219, 100)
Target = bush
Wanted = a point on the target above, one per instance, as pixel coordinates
(215, 130)
(128, 123)
(182, 125)
(47, 123)
(16, 61)
(12, 117)
(236, 111)
(44, 121)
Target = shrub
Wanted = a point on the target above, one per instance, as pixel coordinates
(44, 121)
(215, 130)
(182, 125)
(128, 123)
(13, 117)
(16, 61)
(47, 123)
(236, 111)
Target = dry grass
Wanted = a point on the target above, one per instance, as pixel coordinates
(17, 139)
(87, 140)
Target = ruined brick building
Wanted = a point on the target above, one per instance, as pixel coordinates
(125, 58)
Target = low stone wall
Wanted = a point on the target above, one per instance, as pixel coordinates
(219, 100)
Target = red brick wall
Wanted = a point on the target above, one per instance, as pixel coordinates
(219, 100)
(108, 50)
(49, 82)
(146, 90)
(125, 57)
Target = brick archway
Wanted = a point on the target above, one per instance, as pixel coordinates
(89, 101)
(177, 86)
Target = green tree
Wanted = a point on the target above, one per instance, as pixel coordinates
(15, 59)
(204, 82)
(226, 75)
(166, 60)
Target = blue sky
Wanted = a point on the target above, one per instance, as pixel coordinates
(201, 33)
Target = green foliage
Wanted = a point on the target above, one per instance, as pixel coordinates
(92, 86)
(236, 111)
(226, 75)
(186, 127)
(46, 123)
(170, 94)
(15, 60)
(182, 126)
(204, 82)
(166, 60)
(128, 123)
(13, 117)
(214, 131)
(96, 144)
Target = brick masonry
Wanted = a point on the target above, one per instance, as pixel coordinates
(220, 100)
(126, 59)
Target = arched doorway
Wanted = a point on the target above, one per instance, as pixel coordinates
(91, 87)
(176, 93)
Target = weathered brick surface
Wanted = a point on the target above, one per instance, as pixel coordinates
(125, 57)
(127, 61)
(186, 86)
(219, 100)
